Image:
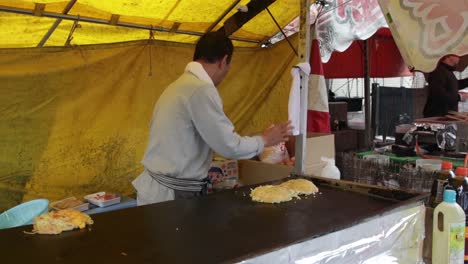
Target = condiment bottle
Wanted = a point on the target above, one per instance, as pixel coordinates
(460, 183)
(462, 200)
(440, 184)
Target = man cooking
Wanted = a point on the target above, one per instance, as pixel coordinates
(189, 123)
(443, 88)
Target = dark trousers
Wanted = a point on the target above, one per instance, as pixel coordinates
(181, 195)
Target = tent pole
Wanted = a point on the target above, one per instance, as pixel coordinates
(304, 56)
(236, 21)
(234, 4)
(56, 23)
(281, 30)
(106, 22)
(367, 100)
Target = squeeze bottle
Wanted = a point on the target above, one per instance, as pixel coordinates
(330, 170)
(445, 177)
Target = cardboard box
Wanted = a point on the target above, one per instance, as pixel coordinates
(224, 174)
(255, 172)
(346, 140)
(338, 113)
(318, 145)
(361, 139)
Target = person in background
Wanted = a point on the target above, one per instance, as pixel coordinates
(188, 123)
(443, 88)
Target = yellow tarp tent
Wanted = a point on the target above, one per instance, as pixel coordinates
(75, 120)
(184, 19)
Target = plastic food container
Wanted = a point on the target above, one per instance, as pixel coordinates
(70, 202)
(24, 213)
(403, 128)
(103, 199)
(378, 158)
(357, 124)
(429, 164)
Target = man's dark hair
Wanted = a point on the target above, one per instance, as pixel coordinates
(212, 47)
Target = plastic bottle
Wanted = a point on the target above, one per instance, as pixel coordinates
(460, 185)
(462, 200)
(448, 237)
(446, 174)
(330, 170)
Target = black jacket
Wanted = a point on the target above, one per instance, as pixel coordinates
(443, 91)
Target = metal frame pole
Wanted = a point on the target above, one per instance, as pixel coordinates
(282, 31)
(304, 56)
(56, 24)
(367, 99)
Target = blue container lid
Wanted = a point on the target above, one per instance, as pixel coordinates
(450, 196)
(24, 213)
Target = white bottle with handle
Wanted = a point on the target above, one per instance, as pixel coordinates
(330, 170)
(448, 237)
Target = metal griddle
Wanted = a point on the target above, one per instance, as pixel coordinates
(223, 227)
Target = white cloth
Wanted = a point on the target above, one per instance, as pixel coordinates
(188, 123)
(197, 69)
(294, 104)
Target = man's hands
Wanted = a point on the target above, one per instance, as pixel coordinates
(288, 162)
(277, 133)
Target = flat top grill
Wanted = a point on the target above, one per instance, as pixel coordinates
(223, 227)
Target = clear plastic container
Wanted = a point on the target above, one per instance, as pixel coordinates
(103, 199)
(429, 164)
(378, 158)
(70, 202)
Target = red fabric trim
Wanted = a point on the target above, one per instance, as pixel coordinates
(318, 121)
(385, 59)
(316, 65)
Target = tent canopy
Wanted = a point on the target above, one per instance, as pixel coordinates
(177, 21)
(424, 31)
(181, 21)
(74, 120)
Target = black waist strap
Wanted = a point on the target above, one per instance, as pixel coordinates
(180, 184)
